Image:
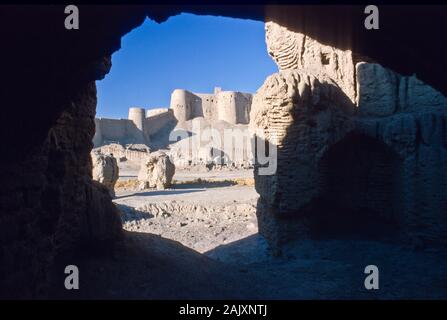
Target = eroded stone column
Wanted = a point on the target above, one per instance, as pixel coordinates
(301, 114)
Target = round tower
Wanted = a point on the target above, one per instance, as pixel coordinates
(226, 106)
(181, 105)
(137, 115)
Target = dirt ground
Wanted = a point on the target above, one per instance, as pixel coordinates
(200, 240)
(200, 214)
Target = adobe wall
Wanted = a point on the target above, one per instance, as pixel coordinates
(243, 107)
(158, 121)
(234, 145)
(233, 107)
(230, 106)
(308, 112)
(119, 151)
(294, 50)
(208, 106)
(59, 208)
(117, 130)
(112, 129)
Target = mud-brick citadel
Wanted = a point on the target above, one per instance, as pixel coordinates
(151, 126)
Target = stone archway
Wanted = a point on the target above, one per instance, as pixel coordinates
(359, 189)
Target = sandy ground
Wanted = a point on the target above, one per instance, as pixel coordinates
(201, 216)
(195, 241)
(129, 170)
(146, 266)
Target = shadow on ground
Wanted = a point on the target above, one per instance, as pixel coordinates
(204, 184)
(145, 266)
(158, 193)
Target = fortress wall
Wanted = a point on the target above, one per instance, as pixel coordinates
(196, 106)
(230, 106)
(226, 106)
(136, 132)
(208, 106)
(156, 122)
(119, 151)
(118, 130)
(137, 116)
(112, 129)
(155, 111)
(243, 106)
(233, 107)
(238, 153)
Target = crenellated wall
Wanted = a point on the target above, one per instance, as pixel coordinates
(156, 122)
(230, 106)
(137, 130)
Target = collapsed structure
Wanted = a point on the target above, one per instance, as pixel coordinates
(156, 171)
(105, 170)
(360, 148)
(137, 129)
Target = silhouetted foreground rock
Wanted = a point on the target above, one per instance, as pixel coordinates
(373, 156)
(146, 266)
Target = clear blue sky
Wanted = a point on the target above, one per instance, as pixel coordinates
(191, 52)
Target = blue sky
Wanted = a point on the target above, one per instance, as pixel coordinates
(191, 52)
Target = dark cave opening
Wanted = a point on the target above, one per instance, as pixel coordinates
(359, 190)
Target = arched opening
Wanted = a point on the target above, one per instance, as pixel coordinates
(359, 190)
(188, 95)
(40, 184)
